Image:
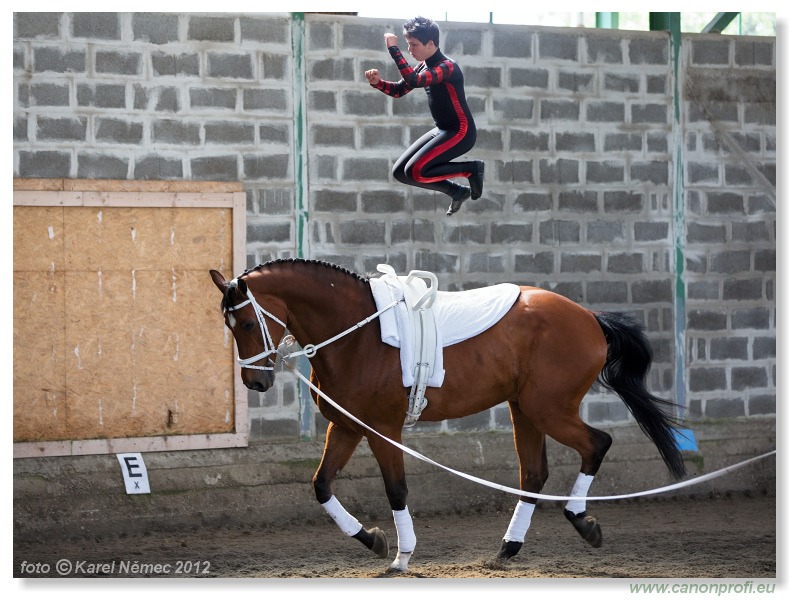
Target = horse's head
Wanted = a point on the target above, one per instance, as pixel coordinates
(257, 330)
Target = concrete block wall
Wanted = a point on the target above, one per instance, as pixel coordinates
(730, 225)
(578, 129)
(574, 128)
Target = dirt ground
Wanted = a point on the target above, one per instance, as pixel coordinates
(732, 536)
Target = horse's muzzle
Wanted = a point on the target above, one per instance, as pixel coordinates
(262, 383)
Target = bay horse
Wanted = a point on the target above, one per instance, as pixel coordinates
(541, 358)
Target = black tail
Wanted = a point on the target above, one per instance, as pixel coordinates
(625, 371)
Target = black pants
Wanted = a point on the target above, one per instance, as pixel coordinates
(426, 163)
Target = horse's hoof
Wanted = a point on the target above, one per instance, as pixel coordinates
(400, 564)
(587, 526)
(508, 550)
(380, 544)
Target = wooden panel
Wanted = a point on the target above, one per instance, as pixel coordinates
(118, 334)
(38, 239)
(39, 356)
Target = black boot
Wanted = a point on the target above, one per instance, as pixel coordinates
(475, 179)
(457, 200)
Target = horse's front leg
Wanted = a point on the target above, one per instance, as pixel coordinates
(390, 460)
(533, 460)
(340, 444)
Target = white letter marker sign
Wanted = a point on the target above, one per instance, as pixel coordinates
(135, 475)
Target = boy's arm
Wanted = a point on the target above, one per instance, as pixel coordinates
(390, 88)
(441, 72)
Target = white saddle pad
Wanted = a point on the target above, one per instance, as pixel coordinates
(458, 315)
(462, 315)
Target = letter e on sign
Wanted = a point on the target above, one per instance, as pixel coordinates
(135, 475)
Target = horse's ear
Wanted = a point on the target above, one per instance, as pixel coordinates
(219, 280)
(242, 286)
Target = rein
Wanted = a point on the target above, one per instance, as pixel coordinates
(309, 350)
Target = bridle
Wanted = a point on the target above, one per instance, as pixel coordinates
(268, 343)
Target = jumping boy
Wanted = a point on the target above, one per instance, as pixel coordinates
(426, 163)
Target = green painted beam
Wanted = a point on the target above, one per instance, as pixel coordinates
(606, 20)
(666, 21)
(671, 22)
(300, 192)
(299, 133)
(720, 22)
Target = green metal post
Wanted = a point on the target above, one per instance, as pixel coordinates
(671, 22)
(606, 20)
(299, 132)
(300, 191)
(664, 21)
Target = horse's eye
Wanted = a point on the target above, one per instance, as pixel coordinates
(249, 326)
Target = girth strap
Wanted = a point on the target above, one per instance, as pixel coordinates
(425, 340)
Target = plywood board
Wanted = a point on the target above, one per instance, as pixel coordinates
(39, 360)
(118, 338)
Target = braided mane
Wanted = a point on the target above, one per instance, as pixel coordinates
(305, 261)
(232, 289)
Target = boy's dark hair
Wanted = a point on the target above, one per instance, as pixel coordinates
(423, 29)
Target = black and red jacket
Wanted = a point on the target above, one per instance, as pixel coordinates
(442, 80)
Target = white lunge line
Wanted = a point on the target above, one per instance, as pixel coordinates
(504, 488)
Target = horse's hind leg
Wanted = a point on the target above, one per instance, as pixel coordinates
(531, 449)
(592, 444)
(340, 444)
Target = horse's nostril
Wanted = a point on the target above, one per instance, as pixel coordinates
(258, 386)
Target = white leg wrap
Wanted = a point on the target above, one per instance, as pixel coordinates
(519, 524)
(345, 520)
(406, 538)
(400, 563)
(581, 489)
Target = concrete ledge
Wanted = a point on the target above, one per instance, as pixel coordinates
(126, 185)
(270, 484)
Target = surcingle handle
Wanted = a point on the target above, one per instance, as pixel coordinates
(426, 301)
